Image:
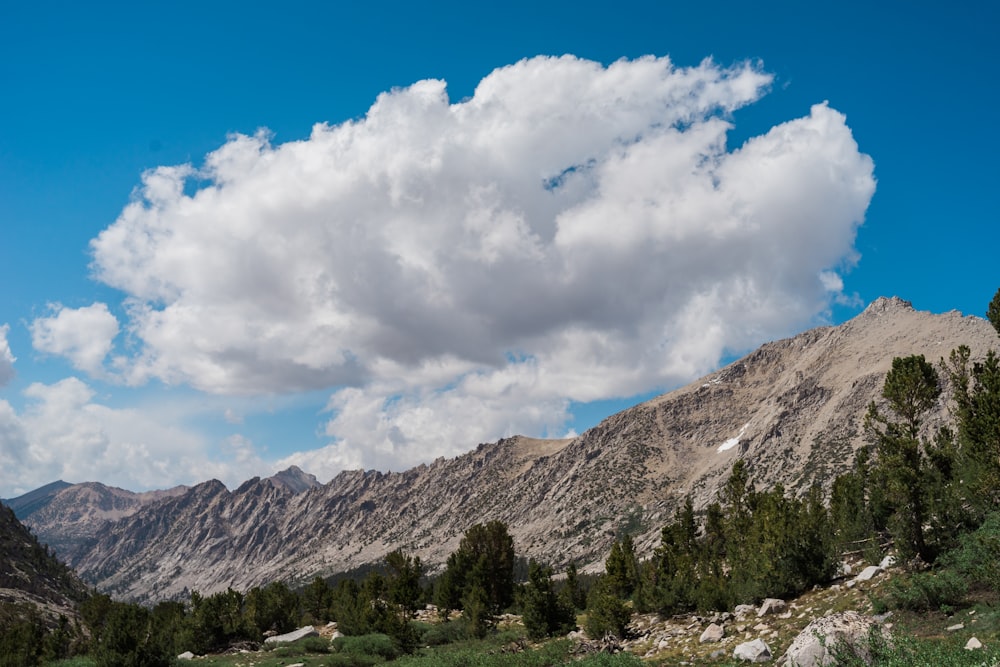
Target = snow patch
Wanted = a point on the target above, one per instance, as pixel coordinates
(732, 442)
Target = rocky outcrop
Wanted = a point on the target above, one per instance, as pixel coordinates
(755, 651)
(793, 410)
(817, 644)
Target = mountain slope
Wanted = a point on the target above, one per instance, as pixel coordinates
(792, 409)
(64, 516)
(35, 500)
(30, 574)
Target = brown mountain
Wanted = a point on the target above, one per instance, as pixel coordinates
(792, 410)
(64, 516)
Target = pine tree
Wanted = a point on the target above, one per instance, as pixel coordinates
(911, 388)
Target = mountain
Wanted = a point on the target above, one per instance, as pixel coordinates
(34, 500)
(30, 576)
(792, 409)
(64, 516)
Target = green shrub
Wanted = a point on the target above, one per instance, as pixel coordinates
(377, 645)
(439, 634)
(902, 651)
(926, 591)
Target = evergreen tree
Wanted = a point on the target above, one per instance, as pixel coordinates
(622, 568)
(606, 612)
(993, 311)
(484, 559)
(911, 388)
(544, 613)
(572, 592)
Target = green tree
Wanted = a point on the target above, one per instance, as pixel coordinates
(572, 591)
(622, 568)
(316, 598)
(484, 559)
(544, 613)
(993, 311)
(607, 613)
(911, 388)
(405, 573)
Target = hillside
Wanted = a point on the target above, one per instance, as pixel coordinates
(792, 410)
(64, 516)
(31, 576)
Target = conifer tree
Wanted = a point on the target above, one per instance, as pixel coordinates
(911, 388)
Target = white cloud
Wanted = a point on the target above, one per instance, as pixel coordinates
(457, 271)
(65, 433)
(7, 357)
(82, 335)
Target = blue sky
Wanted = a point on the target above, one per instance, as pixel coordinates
(400, 284)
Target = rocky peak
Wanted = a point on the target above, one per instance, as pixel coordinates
(294, 480)
(883, 305)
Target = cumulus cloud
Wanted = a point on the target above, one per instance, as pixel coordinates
(7, 358)
(83, 335)
(65, 433)
(457, 271)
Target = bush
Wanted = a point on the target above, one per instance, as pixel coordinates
(439, 634)
(376, 645)
(925, 591)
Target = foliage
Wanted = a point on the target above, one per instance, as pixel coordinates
(607, 613)
(993, 311)
(917, 474)
(479, 577)
(375, 644)
(544, 613)
(903, 651)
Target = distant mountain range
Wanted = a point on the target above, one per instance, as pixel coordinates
(792, 410)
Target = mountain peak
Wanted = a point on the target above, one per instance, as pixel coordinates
(294, 479)
(884, 304)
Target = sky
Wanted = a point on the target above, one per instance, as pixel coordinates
(236, 237)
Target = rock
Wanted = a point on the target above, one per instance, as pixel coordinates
(887, 562)
(295, 635)
(744, 609)
(713, 633)
(845, 570)
(812, 647)
(771, 606)
(973, 644)
(956, 627)
(868, 573)
(188, 655)
(755, 651)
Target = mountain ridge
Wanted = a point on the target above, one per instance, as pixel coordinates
(792, 409)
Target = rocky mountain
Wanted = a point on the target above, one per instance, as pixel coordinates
(64, 515)
(31, 577)
(35, 500)
(792, 410)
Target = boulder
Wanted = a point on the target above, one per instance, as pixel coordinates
(813, 646)
(186, 655)
(295, 635)
(744, 609)
(771, 606)
(868, 573)
(713, 633)
(755, 651)
(973, 644)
